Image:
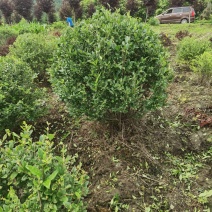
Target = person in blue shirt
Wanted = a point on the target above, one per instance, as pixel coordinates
(69, 21)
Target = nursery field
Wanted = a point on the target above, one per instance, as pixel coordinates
(161, 161)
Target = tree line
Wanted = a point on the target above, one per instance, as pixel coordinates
(12, 11)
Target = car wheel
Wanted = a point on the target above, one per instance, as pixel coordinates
(184, 21)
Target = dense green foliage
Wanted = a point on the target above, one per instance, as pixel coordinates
(20, 99)
(25, 27)
(153, 21)
(6, 33)
(34, 178)
(203, 66)
(36, 50)
(110, 65)
(191, 47)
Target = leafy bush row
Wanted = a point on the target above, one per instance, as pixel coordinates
(28, 60)
(20, 97)
(34, 178)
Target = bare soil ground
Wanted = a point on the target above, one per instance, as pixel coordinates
(161, 162)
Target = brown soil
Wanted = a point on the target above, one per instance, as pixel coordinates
(182, 34)
(4, 49)
(165, 39)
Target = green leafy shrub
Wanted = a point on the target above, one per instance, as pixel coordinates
(29, 27)
(190, 47)
(6, 33)
(153, 21)
(36, 50)
(203, 66)
(110, 65)
(34, 178)
(20, 99)
(58, 25)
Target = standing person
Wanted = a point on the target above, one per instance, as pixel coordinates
(69, 21)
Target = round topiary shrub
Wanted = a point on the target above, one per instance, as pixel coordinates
(36, 50)
(110, 65)
(20, 99)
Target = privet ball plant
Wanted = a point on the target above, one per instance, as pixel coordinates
(20, 98)
(110, 65)
(36, 50)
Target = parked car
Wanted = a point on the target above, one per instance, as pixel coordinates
(177, 15)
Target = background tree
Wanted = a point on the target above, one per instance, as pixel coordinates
(23, 8)
(51, 16)
(6, 8)
(76, 9)
(151, 6)
(37, 12)
(110, 4)
(176, 3)
(199, 6)
(207, 11)
(65, 9)
(91, 10)
(161, 6)
(88, 7)
(132, 6)
(47, 6)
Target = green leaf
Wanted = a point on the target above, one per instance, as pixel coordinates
(64, 199)
(42, 138)
(47, 182)
(4, 137)
(50, 136)
(6, 208)
(206, 194)
(13, 175)
(40, 153)
(34, 170)
(147, 209)
(67, 205)
(78, 195)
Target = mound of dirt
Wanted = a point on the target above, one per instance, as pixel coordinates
(182, 34)
(136, 162)
(4, 49)
(165, 40)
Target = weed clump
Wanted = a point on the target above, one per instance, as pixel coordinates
(190, 47)
(202, 65)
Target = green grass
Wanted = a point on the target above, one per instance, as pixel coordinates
(198, 29)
